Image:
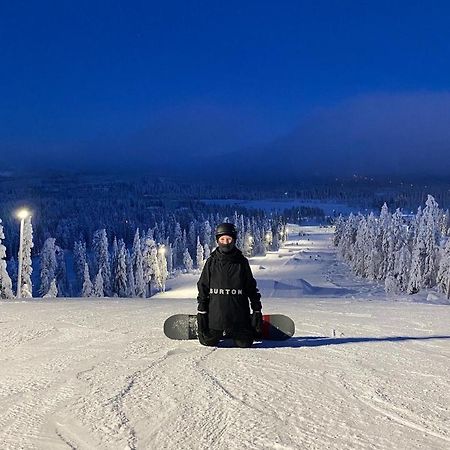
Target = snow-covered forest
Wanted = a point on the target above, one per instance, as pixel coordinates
(89, 234)
(107, 267)
(73, 208)
(407, 252)
(67, 207)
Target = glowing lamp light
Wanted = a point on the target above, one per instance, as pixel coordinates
(22, 214)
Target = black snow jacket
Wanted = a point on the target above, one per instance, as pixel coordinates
(224, 289)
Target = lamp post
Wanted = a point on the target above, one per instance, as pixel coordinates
(22, 215)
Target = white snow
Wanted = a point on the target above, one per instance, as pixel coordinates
(361, 372)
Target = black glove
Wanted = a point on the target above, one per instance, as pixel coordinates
(202, 323)
(257, 323)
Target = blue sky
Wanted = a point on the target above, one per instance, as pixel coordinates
(191, 78)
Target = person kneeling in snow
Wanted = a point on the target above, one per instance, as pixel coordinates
(224, 289)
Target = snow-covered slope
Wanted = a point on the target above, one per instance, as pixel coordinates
(360, 373)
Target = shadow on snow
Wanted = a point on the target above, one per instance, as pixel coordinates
(319, 341)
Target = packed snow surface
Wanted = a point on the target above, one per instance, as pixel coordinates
(361, 372)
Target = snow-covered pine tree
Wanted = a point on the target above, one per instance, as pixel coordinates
(114, 262)
(120, 279)
(27, 267)
(268, 239)
(398, 257)
(61, 272)
(162, 273)
(339, 224)
(52, 291)
(98, 286)
(261, 233)
(275, 238)
(102, 262)
(48, 265)
(206, 251)
(177, 254)
(235, 219)
(239, 221)
(415, 226)
(373, 259)
(417, 255)
(391, 285)
(131, 292)
(184, 242)
(5, 280)
(443, 276)
(148, 235)
(87, 289)
(156, 272)
(241, 231)
(386, 236)
(138, 270)
(200, 254)
(281, 230)
(424, 264)
(416, 272)
(148, 264)
(360, 248)
(432, 218)
(256, 234)
(284, 233)
(79, 261)
(394, 239)
(402, 267)
(445, 223)
(169, 257)
(399, 236)
(187, 261)
(206, 233)
(192, 237)
(348, 237)
(248, 242)
(12, 270)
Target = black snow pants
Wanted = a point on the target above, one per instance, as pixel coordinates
(241, 338)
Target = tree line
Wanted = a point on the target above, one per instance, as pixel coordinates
(407, 252)
(106, 266)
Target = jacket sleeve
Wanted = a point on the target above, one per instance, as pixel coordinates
(203, 288)
(251, 289)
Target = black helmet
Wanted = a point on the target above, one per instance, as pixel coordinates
(226, 229)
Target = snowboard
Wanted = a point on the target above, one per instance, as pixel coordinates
(276, 327)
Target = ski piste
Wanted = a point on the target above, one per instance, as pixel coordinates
(275, 327)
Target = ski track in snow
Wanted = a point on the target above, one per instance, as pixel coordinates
(99, 374)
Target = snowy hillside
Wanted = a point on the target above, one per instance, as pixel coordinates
(361, 372)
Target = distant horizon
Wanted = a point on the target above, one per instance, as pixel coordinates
(381, 179)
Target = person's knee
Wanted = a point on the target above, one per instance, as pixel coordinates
(209, 341)
(243, 343)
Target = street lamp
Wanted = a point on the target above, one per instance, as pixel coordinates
(22, 214)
